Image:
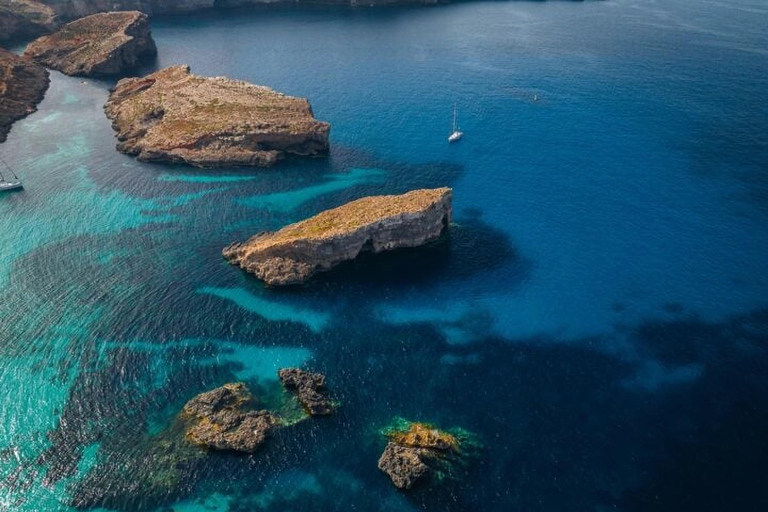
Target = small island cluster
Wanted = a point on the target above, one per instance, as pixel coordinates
(174, 116)
(226, 418)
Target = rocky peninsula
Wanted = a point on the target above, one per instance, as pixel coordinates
(417, 452)
(221, 419)
(22, 86)
(176, 117)
(97, 45)
(377, 223)
(309, 389)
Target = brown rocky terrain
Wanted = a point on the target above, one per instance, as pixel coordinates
(417, 452)
(177, 117)
(97, 45)
(22, 86)
(309, 389)
(221, 420)
(378, 223)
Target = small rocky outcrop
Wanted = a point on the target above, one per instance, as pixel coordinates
(309, 389)
(418, 452)
(22, 86)
(222, 421)
(378, 223)
(97, 45)
(174, 116)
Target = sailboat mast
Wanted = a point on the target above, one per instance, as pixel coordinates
(455, 126)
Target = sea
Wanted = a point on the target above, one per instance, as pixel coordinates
(596, 317)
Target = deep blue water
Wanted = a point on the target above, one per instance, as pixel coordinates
(598, 316)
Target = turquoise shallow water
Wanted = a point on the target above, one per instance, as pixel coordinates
(597, 316)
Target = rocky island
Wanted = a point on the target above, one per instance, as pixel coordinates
(176, 117)
(377, 223)
(97, 45)
(22, 86)
(418, 452)
(221, 420)
(309, 389)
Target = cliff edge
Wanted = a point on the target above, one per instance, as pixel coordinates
(22, 86)
(97, 45)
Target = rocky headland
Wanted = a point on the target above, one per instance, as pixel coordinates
(221, 419)
(419, 452)
(309, 389)
(377, 223)
(97, 45)
(176, 117)
(22, 86)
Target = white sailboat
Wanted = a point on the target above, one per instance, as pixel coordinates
(455, 133)
(6, 185)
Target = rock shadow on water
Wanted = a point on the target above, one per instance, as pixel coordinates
(468, 248)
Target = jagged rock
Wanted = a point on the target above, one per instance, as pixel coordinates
(21, 19)
(417, 452)
(220, 420)
(378, 223)
(175, 116)
(97, 45)
(309, 389)
(22, 86)
(403, 465)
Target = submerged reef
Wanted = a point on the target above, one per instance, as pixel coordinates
(377, 223)
(419, 452)
(97, 45)
(22, 86)
(174, 116)
(309, 389)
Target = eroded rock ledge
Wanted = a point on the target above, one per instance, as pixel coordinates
(174, 116)
(22, 86)
(97, 45)
(309, 389)
(378, 223)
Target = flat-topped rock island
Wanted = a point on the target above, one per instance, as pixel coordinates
(97, 45)
(377, 223)
(174, 116)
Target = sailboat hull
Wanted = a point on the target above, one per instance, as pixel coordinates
(8, 186)
(455, 136)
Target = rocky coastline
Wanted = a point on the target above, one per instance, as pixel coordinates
(97, 45)
(22, 86)
(21, 19)
(378, 223)
(173, 116)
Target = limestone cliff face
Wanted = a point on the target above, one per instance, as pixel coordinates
(24, 18)
(72, 9)
(22, 86)
(97, 45)
(175, 116)
(379, 223)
